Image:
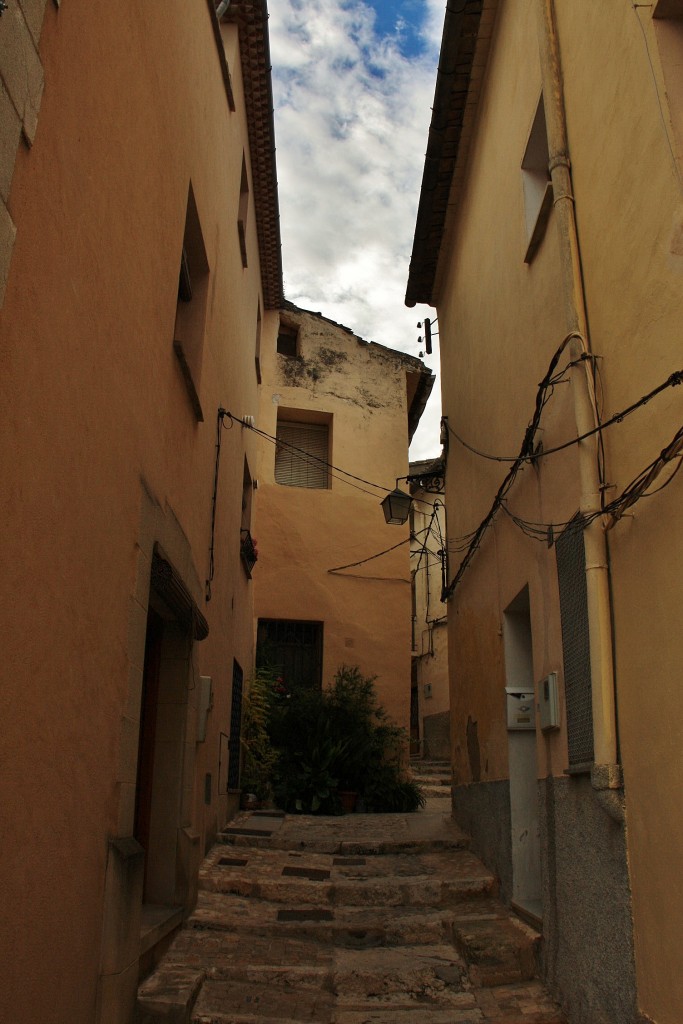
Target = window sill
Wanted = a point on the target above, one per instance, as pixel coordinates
(187, 378)
(579, 769)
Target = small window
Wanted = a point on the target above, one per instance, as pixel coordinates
(302, 454)
(257, 346)
(288, 340)
(292, 651)
(190, 323)
(668, 25)
(536, 184)
(242, 212)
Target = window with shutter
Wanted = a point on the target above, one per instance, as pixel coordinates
(301, 454)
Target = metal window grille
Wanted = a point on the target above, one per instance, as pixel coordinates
(235, 727)
(301, 454)
(292, 650)
(571, 574)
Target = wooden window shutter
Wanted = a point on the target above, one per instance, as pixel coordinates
(301, 454)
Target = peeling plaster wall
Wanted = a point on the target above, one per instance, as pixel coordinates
(305, 532)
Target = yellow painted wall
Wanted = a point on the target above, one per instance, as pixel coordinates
(303, 533)
(488, 396)
(430, 634)
(95, 416)
(629, 214)
(626, 180)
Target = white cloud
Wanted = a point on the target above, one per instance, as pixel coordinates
(351, 121)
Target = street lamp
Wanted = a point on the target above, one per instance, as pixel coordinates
(396, 506)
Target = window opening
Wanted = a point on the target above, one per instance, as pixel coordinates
(302, 454)
(242, 212)
(288, 340)
(190, 322)
(292, 651)
(536, 184)
(257, 346)
(668, 26)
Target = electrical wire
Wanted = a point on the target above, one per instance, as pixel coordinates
(615, 509)
(672, 380)
(526, 449)
(311, 459)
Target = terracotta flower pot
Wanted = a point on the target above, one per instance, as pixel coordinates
(348, 801)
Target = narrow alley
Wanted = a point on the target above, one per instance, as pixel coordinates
(359, 919)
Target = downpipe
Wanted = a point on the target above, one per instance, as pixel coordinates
(606, 776)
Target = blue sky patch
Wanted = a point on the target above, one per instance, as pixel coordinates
(402, 19)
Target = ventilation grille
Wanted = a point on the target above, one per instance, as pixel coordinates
(571, 574)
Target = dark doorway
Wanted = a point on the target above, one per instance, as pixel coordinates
(148, 724)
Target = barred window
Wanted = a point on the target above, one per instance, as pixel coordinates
(292, 651)
(301, 454)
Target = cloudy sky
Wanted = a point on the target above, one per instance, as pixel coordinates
(353, 83)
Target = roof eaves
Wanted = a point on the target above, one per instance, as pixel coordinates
(225, 71)
(455, 100)
(251, 18)
(422, 393)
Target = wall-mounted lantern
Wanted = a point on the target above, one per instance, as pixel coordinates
(396, 507)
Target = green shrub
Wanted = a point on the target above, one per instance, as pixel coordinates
(258, 754)
(337, 739)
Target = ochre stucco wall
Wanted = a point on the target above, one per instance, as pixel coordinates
(629, 213)
(500, 321)
(96, 416)
(303, 533)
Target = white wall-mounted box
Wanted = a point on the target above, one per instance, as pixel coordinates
(521, 711)
(549, 702)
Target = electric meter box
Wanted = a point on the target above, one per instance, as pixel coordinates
(521, 710)
(549, 702)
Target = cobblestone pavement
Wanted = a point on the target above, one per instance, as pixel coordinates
(362, 919)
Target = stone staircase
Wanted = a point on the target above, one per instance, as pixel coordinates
(365, 919)
(433, 776)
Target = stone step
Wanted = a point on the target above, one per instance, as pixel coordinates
(418, 766)
(426, 881)
(497, 952)
(365, 848)
(351, 834)
(357, 927)
(441, 791)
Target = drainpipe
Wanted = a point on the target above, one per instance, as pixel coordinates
(606, 774)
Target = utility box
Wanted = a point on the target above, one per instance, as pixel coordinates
(521, 712)
(549, 702)
(204, 706)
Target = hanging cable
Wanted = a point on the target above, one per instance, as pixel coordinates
(311, 459)
(672, 380)
(370, 558)
(525, 451)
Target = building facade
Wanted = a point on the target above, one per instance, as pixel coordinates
(549, 239)
(430, 692)
(332, 584)
(140, 259)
